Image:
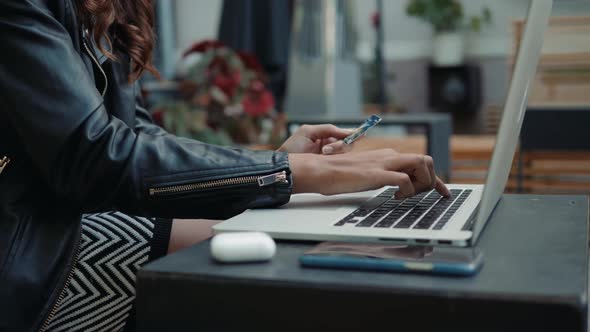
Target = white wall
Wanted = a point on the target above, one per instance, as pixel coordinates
(406, 37)
(196, 20)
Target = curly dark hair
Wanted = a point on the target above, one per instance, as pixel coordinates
(127, 27)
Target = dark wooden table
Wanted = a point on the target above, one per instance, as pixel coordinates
(534, 278)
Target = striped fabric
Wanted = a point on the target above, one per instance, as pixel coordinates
(101, 292)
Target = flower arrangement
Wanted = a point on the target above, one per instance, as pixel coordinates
(223, 98)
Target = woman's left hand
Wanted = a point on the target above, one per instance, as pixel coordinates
(318, 139)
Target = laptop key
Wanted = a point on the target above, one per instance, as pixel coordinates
(433, 214)
(368, 222)
(374, 203)
(383, 224)
(387, 193)
(404, 224)
(386, 223)
(390, 205)
(415, 214)
(360, 212)
(447, 216)
(384, 205)
(346, 220)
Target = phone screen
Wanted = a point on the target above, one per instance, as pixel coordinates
(443, 260)
(429, 254)
(425, 254)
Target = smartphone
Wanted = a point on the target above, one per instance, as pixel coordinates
(421, 259)
(371, 122)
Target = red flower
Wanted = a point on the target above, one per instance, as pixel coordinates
(219, 64)
(256, 86)
(222, 76)
(158, 117)
(251, 62)
(257, 101)
(227, 83)
(203, 46)
(376, 20)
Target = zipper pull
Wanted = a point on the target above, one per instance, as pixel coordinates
(3, 162)
(267, 180)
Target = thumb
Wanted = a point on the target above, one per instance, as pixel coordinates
(336, 148)
(326, 131)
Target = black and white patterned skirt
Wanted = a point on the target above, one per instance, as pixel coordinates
(101, 292)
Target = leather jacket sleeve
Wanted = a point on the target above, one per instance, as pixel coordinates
(145, 124)
(96, 161)
(143, 120)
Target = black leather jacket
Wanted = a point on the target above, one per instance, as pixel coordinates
(79, 143)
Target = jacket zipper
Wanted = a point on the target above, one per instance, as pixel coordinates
(3, 162)
(62, 293)
(262, 181)
(106, 81)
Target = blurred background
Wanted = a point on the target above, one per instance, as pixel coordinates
(248, 72)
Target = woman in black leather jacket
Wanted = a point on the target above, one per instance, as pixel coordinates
(75, 145)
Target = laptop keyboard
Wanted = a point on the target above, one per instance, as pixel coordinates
(428, 210)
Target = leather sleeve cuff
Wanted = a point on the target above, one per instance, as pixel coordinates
(280, 194)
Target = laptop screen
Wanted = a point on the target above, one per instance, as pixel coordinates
(514, 108)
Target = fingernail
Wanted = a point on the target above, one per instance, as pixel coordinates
(327, 149)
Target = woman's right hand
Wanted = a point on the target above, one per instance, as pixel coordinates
(367, 170)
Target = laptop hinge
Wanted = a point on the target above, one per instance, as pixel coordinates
(468, 226)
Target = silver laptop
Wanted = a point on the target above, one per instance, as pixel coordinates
(427, 218)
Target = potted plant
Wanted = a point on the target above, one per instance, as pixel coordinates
(448, 22)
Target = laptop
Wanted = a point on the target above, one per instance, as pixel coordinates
(425, 219)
